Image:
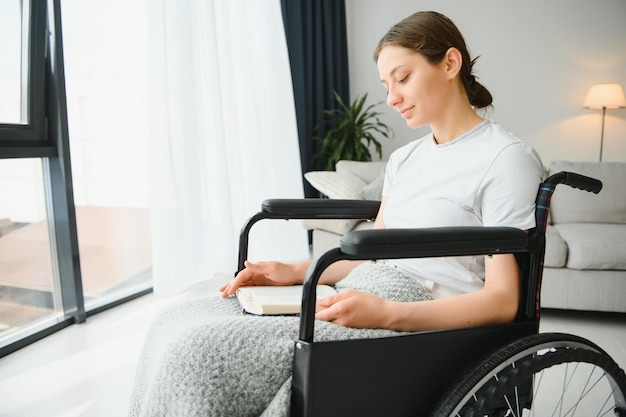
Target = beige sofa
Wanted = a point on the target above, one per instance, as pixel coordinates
(585, 264)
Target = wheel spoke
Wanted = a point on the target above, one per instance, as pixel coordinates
(536, 390)
(586, 390)
(508, 403)
(559, 404)
(582, 394)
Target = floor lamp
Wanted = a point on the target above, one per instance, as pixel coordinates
(605, 96)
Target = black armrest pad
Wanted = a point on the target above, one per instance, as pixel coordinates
(427, 242)
(321, 208)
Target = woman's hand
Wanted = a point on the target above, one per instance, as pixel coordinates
(354, 309)
(262, 273)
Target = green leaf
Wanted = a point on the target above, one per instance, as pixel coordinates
(350, 132)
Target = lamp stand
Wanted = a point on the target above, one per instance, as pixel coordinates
(602, 132)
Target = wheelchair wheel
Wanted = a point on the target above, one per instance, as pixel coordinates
(546, 374)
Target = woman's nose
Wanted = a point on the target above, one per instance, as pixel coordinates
(393, 98)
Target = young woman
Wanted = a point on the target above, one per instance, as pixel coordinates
(467, 172)
(206, 358)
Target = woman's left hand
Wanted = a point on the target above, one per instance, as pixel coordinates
(355, 309)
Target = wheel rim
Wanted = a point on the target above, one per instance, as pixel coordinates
(570, 378)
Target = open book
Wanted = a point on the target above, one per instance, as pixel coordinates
(276, 299)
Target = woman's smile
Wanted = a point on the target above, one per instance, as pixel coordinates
(406, 111)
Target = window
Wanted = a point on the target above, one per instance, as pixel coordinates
(22, 39)
(106, 77)
(94, 207)
(29, 289)
(13, 84)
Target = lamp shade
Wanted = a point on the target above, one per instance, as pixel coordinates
(610, 96)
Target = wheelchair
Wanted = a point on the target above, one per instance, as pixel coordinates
(498, 370)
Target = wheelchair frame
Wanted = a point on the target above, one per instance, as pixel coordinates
(408, 374)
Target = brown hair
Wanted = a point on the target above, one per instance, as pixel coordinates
(431, 34)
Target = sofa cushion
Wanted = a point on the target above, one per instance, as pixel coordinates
(367, 171)
(352, 180)
(569, 205)
(594, 246)
(336, 185)
(556, 249)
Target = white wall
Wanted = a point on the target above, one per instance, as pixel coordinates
(538, 59)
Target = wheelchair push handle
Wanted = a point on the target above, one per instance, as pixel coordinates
(575, 180)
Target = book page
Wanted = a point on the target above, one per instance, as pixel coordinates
(276, 299)
(287, 291)
(274, 291)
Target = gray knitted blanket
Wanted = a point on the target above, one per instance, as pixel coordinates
(206, 358)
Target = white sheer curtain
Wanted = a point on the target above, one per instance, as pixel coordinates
(224, 137)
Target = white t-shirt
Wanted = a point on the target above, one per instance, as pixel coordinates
(487, 177)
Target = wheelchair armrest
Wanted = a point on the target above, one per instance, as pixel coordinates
(426, 242)
(305, 208)
(407, 243)
(321, 208)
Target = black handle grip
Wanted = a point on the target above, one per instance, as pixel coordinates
(575, 180)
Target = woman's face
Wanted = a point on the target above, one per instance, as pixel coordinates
(416, 88)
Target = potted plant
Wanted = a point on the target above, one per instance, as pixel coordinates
(351, 132)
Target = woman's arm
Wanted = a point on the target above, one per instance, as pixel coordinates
(497, 302)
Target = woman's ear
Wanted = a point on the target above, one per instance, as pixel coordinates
(453, 62)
